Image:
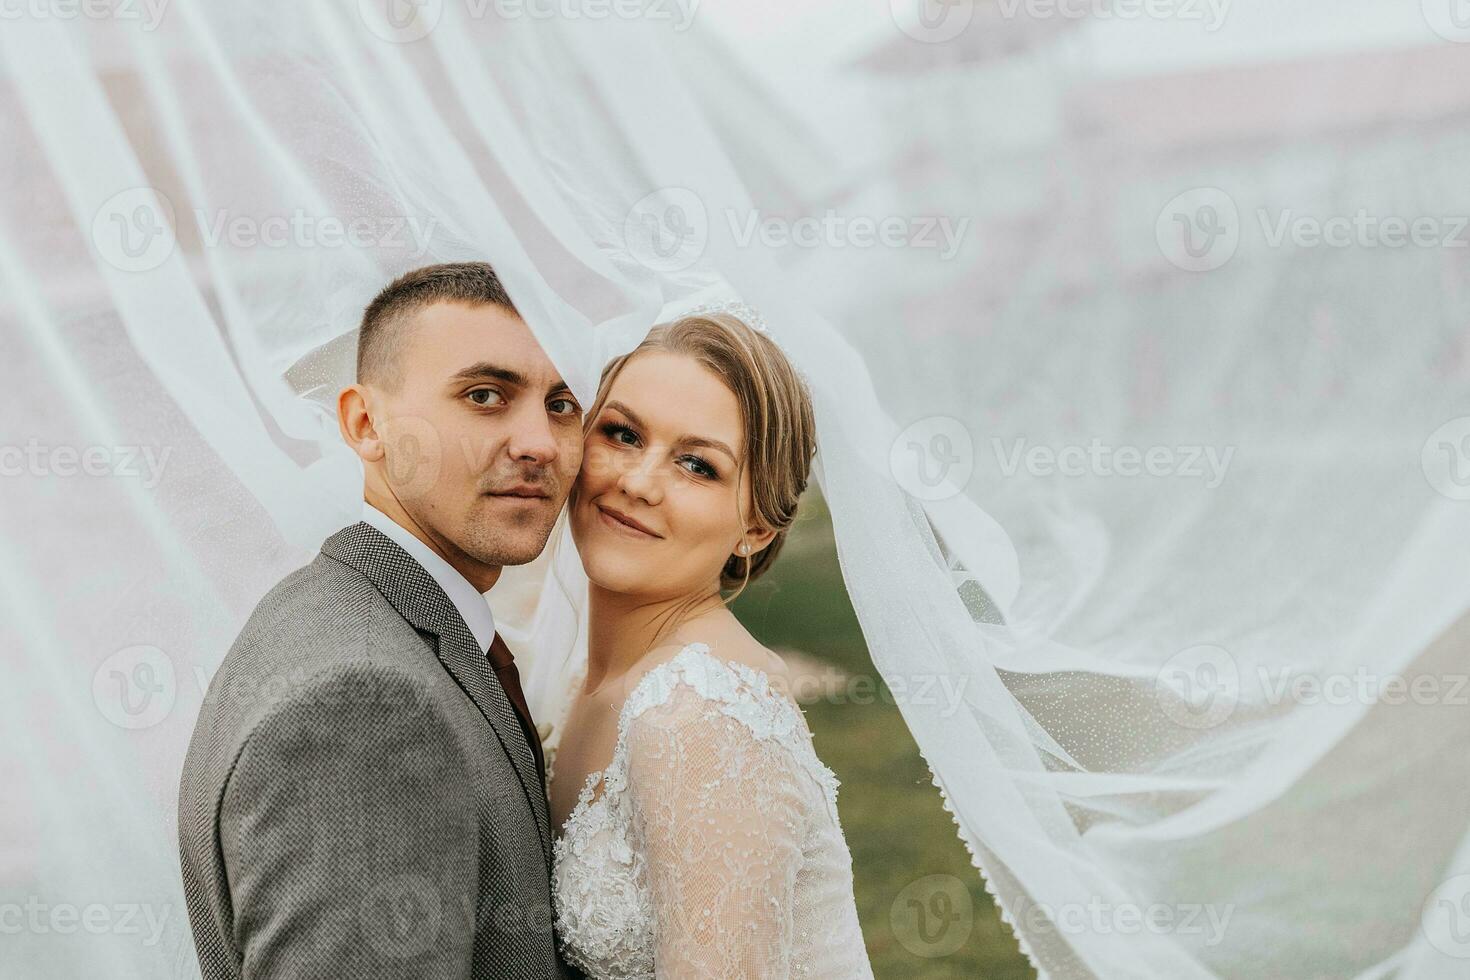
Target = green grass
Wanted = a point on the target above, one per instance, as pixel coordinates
(896, 827)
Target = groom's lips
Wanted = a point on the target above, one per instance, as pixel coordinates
(525, 492)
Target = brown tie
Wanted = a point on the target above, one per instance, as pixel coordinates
(510, 679)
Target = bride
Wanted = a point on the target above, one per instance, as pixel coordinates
(698, 829)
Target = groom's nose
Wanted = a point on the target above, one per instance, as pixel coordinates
(531, 437)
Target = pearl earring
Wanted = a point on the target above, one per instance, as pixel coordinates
(745, 549)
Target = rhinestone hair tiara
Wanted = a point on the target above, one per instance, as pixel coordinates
(748, 315)
(753, 319)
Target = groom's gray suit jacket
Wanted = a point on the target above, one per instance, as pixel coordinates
(359, 799)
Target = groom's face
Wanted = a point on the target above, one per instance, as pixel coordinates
(482, 438)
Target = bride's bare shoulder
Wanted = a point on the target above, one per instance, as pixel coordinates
(738, 648)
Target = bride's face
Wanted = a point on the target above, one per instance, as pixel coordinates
(662, 455)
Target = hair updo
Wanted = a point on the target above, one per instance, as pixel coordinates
(775, 411)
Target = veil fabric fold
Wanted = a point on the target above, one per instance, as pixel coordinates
(1187, 535)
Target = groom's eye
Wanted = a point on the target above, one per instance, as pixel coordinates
(486, 396)
(569, 406)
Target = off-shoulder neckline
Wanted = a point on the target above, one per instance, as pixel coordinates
(756, 681)
(727, 681)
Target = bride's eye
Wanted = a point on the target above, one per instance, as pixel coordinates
(698, 466)
(616, 432)
(485, 397)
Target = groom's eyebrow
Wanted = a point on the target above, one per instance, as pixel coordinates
(485, 371)
(686, 440)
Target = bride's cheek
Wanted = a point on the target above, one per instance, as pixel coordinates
(596, 464)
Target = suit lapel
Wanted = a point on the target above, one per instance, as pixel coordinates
(461, 656)
(419, 599)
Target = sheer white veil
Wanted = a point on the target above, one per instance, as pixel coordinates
(1173, 490)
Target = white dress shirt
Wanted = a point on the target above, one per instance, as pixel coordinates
(469, 600)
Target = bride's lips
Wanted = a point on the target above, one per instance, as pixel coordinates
(624, 524)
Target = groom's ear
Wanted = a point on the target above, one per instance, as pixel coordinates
(355, 422)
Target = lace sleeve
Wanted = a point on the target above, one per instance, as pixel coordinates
(716, 813)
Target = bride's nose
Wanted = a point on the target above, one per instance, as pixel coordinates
(641, 481)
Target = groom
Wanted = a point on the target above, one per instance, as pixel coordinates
(364, 796)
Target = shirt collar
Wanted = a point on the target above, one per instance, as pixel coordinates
(470, 602)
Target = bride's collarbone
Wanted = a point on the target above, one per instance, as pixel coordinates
(590, 739)
(586, 748)
(736, 648)
(592, 728)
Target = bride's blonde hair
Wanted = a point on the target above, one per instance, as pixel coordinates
(776, 412)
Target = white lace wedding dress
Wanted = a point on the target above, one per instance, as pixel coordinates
(714, 848)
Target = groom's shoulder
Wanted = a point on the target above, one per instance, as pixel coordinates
(325, 608)
(322, 626)
(323, 658)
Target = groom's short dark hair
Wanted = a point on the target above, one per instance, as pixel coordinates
(385, 322)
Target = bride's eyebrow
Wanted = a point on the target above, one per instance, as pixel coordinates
(709, 444)
(686, 440)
